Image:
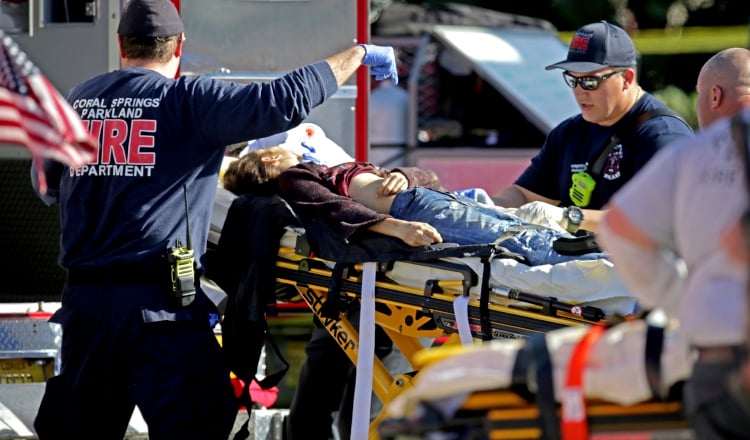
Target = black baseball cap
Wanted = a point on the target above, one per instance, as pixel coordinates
(150, 18)
(596, 46)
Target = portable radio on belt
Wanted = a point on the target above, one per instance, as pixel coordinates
(582, 188)
(182, 273)
(182, 266)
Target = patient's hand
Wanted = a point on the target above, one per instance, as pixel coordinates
(419, 234)
(412, 233)
(392, 184)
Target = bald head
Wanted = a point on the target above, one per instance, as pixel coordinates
(723, 85)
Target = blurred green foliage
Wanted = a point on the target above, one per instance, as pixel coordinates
(679, 101)
(674, 37)
(568, 15)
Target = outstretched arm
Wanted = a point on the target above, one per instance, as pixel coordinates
(381, 60)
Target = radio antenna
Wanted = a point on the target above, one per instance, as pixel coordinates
(187, 216)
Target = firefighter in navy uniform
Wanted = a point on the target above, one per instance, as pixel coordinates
(588, 157)
(137, 329)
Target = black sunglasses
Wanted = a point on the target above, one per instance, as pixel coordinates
(588, 82)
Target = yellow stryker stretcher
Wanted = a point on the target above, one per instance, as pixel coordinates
(409, 313)
(470, 295)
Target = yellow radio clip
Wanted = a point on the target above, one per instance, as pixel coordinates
(582, 188)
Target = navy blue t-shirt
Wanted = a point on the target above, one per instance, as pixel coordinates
(157, 135)
(575, 144)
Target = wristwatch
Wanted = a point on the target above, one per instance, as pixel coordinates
(572, 219)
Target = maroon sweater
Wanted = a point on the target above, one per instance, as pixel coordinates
(317, 191)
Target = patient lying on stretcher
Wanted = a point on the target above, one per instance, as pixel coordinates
(407, 203)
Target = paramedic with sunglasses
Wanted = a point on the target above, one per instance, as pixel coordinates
(581, 165)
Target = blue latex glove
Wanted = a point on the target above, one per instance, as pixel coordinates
(382, 62)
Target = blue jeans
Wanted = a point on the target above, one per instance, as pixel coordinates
(461, 220)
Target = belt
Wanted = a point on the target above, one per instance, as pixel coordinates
(720, 354)
(157, 274)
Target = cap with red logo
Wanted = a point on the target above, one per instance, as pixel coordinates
(596, 46)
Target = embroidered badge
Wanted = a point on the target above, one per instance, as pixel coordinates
(612, 167)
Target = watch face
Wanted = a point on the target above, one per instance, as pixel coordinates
(575, 215)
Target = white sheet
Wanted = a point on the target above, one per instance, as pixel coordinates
(593, 282)
(615, 371)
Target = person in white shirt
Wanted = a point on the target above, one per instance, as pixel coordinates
(664, 231)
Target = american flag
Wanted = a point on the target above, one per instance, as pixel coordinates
(35, 116)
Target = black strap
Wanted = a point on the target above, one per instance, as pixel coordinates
(243, 432)
(524, 361)
(545, 393)
(596, 169)
(583, 242)
(331, 308)
(598, 165)
(654, 347)
(523, 364)
(484, 300)
(273, 379)
(267, 382)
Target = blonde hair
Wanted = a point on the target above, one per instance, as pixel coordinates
(250, 172)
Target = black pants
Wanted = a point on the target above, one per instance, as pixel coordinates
(712, 410)
(128, 345)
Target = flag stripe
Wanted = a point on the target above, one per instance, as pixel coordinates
(13, 115)
(35, 116)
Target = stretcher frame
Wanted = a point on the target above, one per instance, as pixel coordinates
(407, 314)
(504, 414)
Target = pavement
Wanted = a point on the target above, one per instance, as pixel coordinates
(19, 403)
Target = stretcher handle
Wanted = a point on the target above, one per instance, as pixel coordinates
(551, 305)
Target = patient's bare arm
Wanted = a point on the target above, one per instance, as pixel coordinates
(412, 233)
